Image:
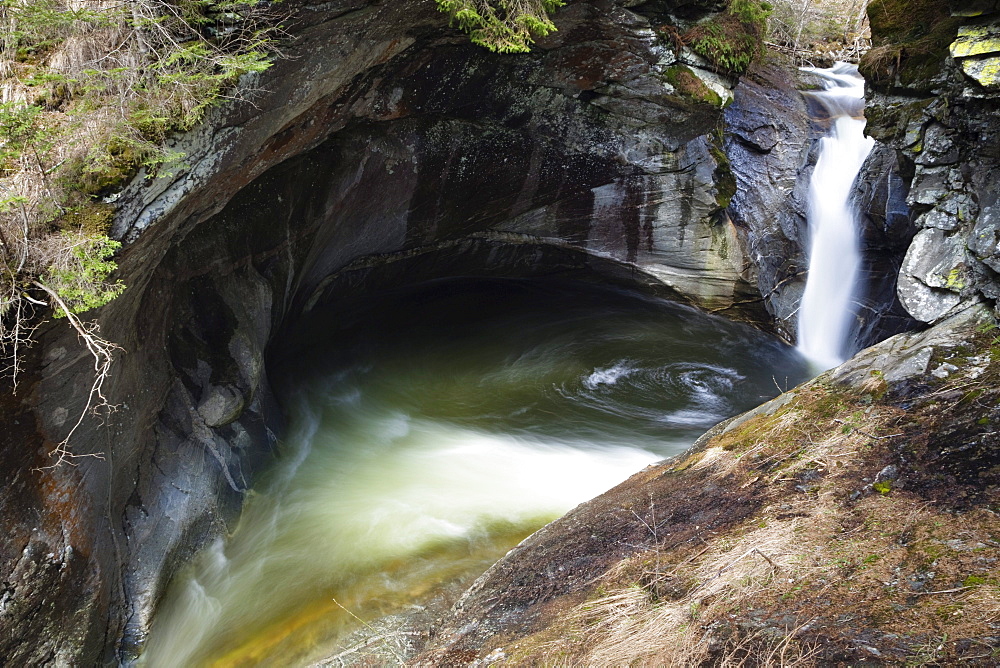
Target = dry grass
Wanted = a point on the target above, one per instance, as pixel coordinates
(836, 566)
(804, 575)
(636, 625)
(911, 39)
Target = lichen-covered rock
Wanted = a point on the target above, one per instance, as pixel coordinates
(947, 135)
(985, 71)
(953, 211)
(972, 8)
(976, 40)
(931, 276)
(977, 47)
(938, 147)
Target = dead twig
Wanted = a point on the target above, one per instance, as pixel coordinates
(942, 591)
(103, 352)
(380, 637)
(865, 433)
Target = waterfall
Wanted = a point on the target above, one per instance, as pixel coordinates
(825, 314)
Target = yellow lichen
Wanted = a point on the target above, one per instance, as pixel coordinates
(976, 41)
(986, 71)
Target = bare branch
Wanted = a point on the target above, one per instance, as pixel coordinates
(103, 352)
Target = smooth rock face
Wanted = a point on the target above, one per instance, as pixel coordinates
(985, 239)
(768, 144)
(887, 230)
(907, 357)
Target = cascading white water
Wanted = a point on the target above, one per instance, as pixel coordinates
(825, 313)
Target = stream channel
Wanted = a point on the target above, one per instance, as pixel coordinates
(433, 427)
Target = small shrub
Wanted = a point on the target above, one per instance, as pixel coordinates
(733, 39)
(506, 26)
(80, 271)
(96, 89)
(20, 130)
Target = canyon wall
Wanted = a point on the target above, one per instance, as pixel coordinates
(381, 134)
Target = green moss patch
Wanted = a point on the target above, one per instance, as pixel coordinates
(687, 83)
(732, 40)
(725, 180)
(93, 218)
(910, 40)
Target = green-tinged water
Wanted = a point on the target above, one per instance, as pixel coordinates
(433, 428)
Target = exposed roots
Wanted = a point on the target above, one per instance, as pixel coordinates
(103, 352)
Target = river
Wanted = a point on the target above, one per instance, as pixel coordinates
(431, 428)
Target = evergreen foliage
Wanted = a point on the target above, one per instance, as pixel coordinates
(505, 26)
(81, 280)
(733, 39)
(93, 89)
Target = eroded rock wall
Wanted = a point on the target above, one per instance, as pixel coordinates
(944, 124)
(383, 134)
(768, 142)
(772, 135)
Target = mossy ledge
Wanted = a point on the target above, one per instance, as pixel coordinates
(910, 39)
(690, 85)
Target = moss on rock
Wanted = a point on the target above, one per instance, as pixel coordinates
(93, 218)
(732, 40)
(910, 39)
(687, 83)
(725, 180)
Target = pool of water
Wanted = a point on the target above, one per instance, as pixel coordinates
(430, 429)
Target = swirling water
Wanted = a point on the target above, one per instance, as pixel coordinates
(433, 427)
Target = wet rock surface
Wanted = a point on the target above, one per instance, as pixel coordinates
(386, 134)
(768, 142)
(887, 232)
(383, 133)
(772, 134)
(902, 428)
(945, 130)
(591, 585)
